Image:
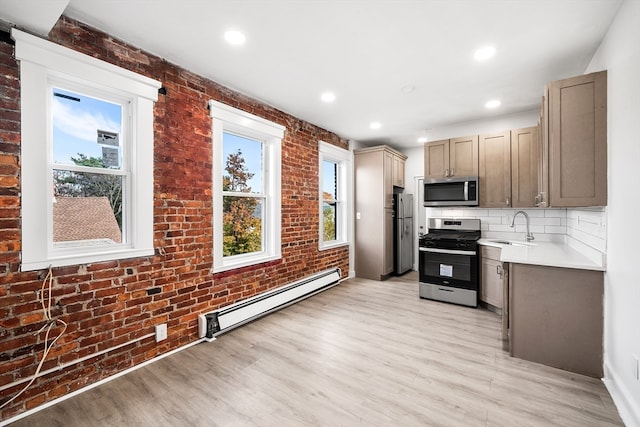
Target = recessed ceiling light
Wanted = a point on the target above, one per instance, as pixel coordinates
(328, 97)
(407, 88)
(234, 37)
(422, 139)
(375, 125)
(494, 103)
(485, 52)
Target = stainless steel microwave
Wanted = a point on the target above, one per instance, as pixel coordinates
(457, 191)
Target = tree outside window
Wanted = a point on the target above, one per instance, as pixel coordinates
(329, 200)
(242, 195)
(334, 183)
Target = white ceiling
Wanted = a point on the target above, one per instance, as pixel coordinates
(365, 51)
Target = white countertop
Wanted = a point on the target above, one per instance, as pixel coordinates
(553, 254)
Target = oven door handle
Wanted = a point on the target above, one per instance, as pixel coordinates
(447, 251)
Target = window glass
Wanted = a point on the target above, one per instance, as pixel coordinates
(86, 135)
(87, 208)
(243, 164)
(242, 219)
(334, 184)
(329, 197)
(242, 214)
(85, 129)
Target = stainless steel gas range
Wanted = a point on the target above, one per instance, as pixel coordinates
(449, 261)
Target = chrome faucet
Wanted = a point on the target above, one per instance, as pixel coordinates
(529, 236)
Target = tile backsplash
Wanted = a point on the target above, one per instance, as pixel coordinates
(587, 225)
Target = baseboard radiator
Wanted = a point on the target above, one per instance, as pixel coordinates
(223, 320)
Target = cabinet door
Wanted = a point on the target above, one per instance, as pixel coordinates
(388, 242)
(491, 288)
(578, 141)
(436, 159)
(543, 152)
(398, 172)
(387, 171)
(524, 167)
(492, 276)
(495, 170)
(556, 317)
(463, 156)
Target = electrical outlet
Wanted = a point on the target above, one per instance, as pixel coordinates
(161, 332)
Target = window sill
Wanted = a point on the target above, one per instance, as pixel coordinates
(332, 245)
(245, 262)
(63, 261)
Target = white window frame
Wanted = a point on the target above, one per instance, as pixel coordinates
(41, 64)
(342, 159)
(229, 119)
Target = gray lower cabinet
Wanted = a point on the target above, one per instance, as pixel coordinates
(491, 276)
(556, 317)
(494, 279)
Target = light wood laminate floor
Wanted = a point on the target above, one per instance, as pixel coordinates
(363, 353)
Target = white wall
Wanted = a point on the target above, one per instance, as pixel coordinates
(619, 53)
(497, 124)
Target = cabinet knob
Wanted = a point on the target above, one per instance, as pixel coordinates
(507, 202)
(446, 172)
(452, 172)
(499, 270)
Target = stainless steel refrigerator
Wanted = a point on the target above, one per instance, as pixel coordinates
(402, 232)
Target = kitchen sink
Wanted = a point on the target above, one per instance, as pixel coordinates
(510, 242)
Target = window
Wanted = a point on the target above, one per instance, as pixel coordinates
(335, 172)
(86, 152)
(246, 188)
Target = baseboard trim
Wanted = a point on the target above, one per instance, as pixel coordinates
(623, 399)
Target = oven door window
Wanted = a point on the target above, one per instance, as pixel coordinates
(449, 266)
(454, 270)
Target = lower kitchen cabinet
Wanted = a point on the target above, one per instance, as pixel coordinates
(556, 317)
(494, 281)
(492, 276)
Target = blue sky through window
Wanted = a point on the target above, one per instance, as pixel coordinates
(76, 120)
(252, 154)
(329, 171)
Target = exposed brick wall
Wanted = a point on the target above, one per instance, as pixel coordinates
(109, 303)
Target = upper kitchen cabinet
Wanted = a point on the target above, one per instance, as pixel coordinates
(451, 157)
(398, 170)
(542, 199)
(495, 170)
(378, 170)
(525, 144)
(577, 141)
